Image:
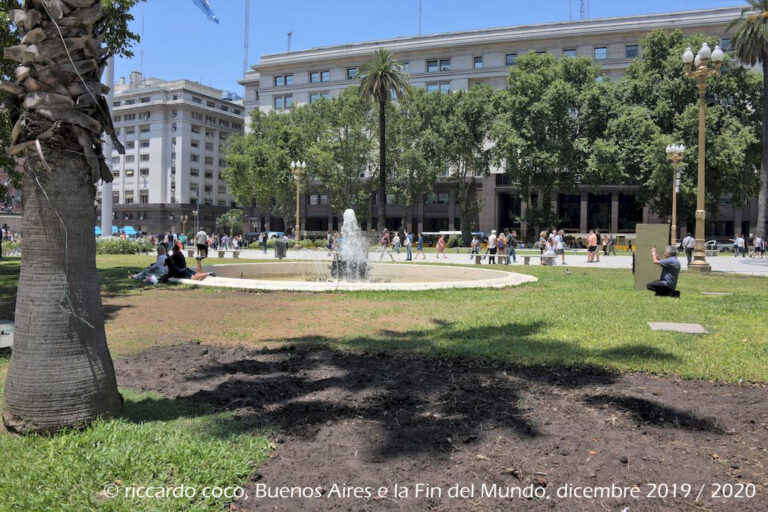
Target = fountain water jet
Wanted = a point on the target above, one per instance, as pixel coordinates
(350, 262)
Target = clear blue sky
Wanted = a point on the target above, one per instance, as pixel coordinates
(180, 42)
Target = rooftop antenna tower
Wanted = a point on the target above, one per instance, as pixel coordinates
(583, 9)
(246, 35)
(289, 41)
(419, 17)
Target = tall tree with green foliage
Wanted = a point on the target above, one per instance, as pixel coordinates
(382, 79)
(464, 122)
(751, 47)
(233, 219)
(654, 104)
(541, 131)
(342, 149)
(61, 373)
(259, 163)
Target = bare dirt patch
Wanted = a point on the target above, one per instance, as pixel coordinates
(168, 316)
(373, 420)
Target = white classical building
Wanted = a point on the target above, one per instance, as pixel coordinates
(174, 134)
(457, 60)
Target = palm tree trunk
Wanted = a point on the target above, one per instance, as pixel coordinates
(61, 373)
(382, 220)
(762, 196)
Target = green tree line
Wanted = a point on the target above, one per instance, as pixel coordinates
(559, 123)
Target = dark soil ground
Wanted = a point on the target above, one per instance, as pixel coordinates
(377, 420)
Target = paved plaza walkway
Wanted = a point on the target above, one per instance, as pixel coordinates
(725, 263)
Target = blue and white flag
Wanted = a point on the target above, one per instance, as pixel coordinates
(206, 8)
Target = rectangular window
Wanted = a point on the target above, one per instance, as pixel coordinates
(315, 96)
(209, 175)
(288, 79)
(194, 143)
(351, 73)
(406, 67)
(631, 51)
(116, 173)
(115, 159)
(195, 129)
(117, 119)
(209, 160)
(319, 76)
(445, 64)
(601, 53)
(129, 158)
(143, 196)
(144, 172)
(439, 87)
(115, 197)
(445, 87)
(279, 103)
(431, 66)
(209, 146)
(569, 52)
(145, 158)
(129, 172)
(209, 188)
(144, 144)
(432, 87)
(478, 62)
(511, 59)
(197, 100)
(194, 172)
(725, 44)
(283, 80)
(130, 130)
(314, 199)
(210, 104)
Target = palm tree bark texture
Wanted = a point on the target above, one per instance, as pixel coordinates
(61, 373)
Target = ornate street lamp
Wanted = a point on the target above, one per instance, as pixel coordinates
(297, 168)
(699, 69)
(675, 154)
(184, 218)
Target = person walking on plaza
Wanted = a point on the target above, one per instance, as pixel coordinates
(739, 246)
(611, 245)
(408, 246)
(263, 242)
(501, 248)
(666, 285)
(512, 249)
(384, 246)
(201, 239)
(542, 242)
(597, 245)
(475, 247)
(759, 247)
(688, 244)
(492, 248)
(396, 242)
(560, 246)
(604, 241)
(591, 246)
(440, 247)
(420, 247)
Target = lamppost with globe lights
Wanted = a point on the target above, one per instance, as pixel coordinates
(675, 154)
(184, 218)
(698, 67)
(297, 168)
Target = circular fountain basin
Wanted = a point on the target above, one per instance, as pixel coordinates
(315, 277)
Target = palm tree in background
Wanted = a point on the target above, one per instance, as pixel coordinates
(751, 47)
(383, 79)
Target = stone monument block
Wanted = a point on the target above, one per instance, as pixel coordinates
(649, 235)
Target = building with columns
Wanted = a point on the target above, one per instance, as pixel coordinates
(174, 134)
(457, 60)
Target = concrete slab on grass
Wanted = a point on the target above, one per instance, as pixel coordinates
(715, 293)
(678, 327)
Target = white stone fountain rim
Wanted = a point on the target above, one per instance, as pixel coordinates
(504, 279)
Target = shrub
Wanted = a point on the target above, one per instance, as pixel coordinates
(11, 248)
(454, 241)
(122, 246)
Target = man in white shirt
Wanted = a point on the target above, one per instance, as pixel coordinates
(688, 244)
(201, 239)
(739, 243)
(492, 248)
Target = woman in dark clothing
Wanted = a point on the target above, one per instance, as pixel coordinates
(177, 267)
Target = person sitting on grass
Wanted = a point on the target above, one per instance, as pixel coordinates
(156, 271)
(177, 267)
(670, 270)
